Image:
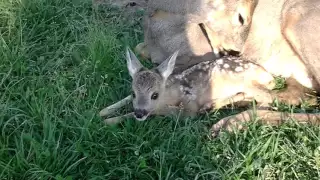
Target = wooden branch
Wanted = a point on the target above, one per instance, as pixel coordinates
(267, 117)
(114, 107)
(118, 119)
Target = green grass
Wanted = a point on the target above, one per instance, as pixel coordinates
(61, 62)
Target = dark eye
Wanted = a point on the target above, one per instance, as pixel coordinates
(241, 20)
(132, 4)
(133, 95)
(154, 96)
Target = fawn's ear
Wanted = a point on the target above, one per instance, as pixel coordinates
(133, 63)
(167, 66)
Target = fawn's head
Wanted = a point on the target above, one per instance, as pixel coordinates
(230, 21)
(148, 85)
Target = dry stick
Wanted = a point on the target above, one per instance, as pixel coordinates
(112, 108)
(267, 117)
(118, 119)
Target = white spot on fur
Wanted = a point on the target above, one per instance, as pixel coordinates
(181, 88)
(220, 61)
(239, 69)
(226, 66)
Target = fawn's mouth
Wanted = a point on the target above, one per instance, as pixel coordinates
(141, 115)
(142, 118)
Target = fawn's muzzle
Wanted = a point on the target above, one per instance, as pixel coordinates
(140, 113)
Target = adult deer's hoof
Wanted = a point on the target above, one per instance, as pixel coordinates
(142, 50)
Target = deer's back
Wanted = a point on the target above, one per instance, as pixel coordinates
(215, 79)
(266, 44)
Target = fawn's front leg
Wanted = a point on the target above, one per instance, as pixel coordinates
(175, 110)
(218, 103)
(261, 94)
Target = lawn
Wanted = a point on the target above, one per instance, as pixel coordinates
(63, 61)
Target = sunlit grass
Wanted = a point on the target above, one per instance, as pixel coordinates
(62, 61)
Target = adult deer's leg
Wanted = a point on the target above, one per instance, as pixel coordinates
(301, 29)
(267, 117)
(142, 50)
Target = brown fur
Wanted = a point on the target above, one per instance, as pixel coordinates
(172, 25)
(197, 88)
(280, 35)
(283, 37)
(275, 36)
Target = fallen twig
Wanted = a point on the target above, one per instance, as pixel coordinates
(114, 107)
(118, 119)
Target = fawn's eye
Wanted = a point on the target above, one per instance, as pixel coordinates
(131, 4)
(154, 96)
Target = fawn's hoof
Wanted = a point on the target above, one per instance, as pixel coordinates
(214, 131)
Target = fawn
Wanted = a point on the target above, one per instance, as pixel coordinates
(209, 84)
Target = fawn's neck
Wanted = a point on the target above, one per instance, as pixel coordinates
(173, 91)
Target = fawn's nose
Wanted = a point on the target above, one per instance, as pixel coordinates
(140, 113)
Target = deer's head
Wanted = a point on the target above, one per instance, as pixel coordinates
(148, 85)
(230, 21)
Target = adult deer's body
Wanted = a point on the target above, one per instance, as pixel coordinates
(171, 25)
(280, 35)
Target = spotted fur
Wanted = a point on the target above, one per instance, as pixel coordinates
(196, 87)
